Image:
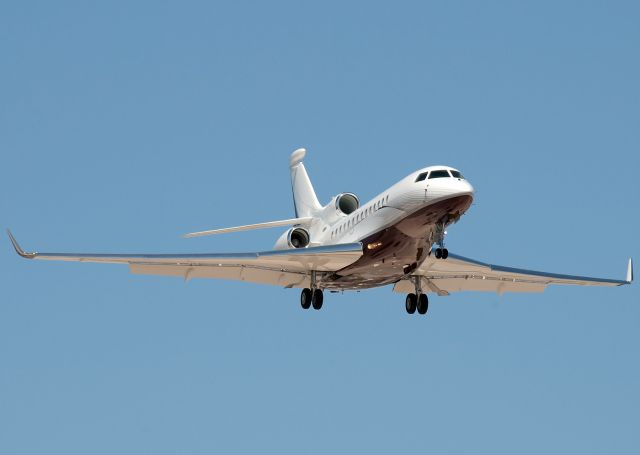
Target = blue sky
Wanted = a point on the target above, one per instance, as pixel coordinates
(126, 124)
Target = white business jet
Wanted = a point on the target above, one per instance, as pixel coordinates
(346, 245)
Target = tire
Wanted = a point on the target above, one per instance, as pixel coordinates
(317, 299)
(423, 304)
(438, 253)
(305, 298)
(410, 303)
(445, 253)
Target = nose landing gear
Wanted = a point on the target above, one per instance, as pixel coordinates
(441, 252)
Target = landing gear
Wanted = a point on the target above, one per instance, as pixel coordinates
(305, 298)
(417, 301)
(441, 253)
(312, 297)
(411, 303)
(317, 299)
(423, 304)
(309, 298)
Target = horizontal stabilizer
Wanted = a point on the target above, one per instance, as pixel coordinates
(270, 224)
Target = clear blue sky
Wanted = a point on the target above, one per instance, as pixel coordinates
(126, 124)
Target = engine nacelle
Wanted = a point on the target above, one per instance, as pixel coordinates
(347, 203)
(341, 205)
(296, 237)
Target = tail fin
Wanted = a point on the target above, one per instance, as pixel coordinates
(304, 197)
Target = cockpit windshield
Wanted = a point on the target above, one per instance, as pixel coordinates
(439, 173)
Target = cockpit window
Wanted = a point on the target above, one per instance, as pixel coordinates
(421, 177)
(439, 174)
(456, 174)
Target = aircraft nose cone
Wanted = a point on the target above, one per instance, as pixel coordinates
(462, 187)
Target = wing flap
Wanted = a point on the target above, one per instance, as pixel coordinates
(226, 272)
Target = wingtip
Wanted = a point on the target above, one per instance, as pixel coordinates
(16, 246)
(630, 271)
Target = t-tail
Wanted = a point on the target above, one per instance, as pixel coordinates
(305, 201)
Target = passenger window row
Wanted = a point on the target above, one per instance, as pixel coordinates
(359, 215)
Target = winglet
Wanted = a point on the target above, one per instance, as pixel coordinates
(19, 250)
(630, 271)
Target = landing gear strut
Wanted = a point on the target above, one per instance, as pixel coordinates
(417, 301)
(441, 252)
(312, 297)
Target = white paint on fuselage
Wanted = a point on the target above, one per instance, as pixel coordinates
(389, 207)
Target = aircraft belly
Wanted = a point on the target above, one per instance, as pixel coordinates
(396, 251)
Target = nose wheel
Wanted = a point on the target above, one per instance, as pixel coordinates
(441, 253)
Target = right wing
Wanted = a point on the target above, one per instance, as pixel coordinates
(288, 268)
(458, 273)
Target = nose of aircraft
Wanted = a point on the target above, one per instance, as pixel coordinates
(460, 187)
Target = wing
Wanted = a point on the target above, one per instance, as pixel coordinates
(288, 268)
(458, 273)
(270, 224)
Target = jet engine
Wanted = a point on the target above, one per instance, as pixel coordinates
(295, 237)
(341, 205)
(347, 203)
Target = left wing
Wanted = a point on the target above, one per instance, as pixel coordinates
(458, 273)
(288, 268)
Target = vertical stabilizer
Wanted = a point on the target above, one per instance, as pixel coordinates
(304, 197)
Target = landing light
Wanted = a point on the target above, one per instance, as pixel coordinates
(373, 246)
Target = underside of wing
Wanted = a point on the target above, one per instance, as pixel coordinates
(288, 268)
(458, 273)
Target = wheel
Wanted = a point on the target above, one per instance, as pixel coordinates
(410, 303)
(445, 253)
(423, 304)
(317, 299)
(438, 253)
(305, 298)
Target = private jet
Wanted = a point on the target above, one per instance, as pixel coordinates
(397, 238)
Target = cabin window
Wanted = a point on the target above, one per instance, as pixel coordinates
(439, 174)
(421, 177)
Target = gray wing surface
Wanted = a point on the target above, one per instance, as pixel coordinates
(288, 268)
(458, 273)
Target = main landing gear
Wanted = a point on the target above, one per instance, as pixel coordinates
(417, 301)
(312, 297)
(309, 298)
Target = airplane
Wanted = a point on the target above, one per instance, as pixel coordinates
(345, 246)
